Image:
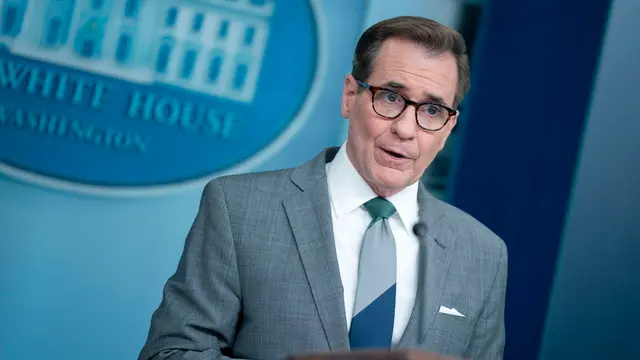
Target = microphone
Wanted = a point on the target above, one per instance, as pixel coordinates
(420, 231)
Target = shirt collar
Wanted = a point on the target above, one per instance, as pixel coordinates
(348, 191)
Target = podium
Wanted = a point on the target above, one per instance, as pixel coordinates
(373, 355)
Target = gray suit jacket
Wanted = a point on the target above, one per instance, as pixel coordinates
(259, 278)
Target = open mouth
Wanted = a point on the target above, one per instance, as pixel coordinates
(394, 154)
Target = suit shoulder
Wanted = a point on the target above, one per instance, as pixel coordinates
(470, 230)
(242, 185)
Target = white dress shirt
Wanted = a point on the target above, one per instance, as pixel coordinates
(348, 192)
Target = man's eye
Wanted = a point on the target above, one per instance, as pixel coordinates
(391, 97)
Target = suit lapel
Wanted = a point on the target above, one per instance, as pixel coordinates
(439, 250)
(309, 214)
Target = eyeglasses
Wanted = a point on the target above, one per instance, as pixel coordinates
(390, 104)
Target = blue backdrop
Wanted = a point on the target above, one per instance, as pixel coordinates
(592, 311)
(532, 78)
(104, 151)
(113, 114)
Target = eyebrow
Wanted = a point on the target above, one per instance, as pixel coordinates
(427, 96)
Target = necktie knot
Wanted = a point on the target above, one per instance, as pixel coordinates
(380, 208)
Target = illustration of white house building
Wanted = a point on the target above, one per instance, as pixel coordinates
(210, 46)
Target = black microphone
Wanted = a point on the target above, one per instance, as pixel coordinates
(420, 231)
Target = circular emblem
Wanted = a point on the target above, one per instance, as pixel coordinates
(127, 96)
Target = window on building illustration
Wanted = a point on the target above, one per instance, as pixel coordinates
(172, 17)
(188, 63)
(53, 31)
(97, 4)
(240, 76)
(131, 8)
(249, 34)
(215, 67)
(223, 30)
(9, 19)
(164, 55)
(89, 38)
(123, 50)
(198, 20)
(88, 48)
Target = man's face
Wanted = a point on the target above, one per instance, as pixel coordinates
(374, 142)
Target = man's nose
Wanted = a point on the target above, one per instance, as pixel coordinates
(405, 125)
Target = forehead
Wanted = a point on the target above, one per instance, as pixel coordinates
(421, 74)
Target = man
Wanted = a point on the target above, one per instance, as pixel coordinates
(322, 257)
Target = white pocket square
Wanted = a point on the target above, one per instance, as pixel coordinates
(452, 311)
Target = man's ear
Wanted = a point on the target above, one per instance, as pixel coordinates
(349, 92)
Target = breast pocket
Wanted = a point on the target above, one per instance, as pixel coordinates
(450, 330)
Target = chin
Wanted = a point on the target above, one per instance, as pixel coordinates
(387, 178)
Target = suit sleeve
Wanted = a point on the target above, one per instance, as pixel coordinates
(200, 305)
(488, 339)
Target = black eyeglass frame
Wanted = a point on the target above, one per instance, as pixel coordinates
(407, 102)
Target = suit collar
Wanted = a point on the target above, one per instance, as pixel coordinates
(433, 214)
(439, 244)
(313, 171)
(309, 213)
(347, 188)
